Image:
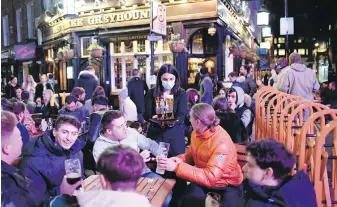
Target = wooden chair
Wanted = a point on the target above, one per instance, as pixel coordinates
(302, 139)
(281, 105)
(63, 98)
(258, 116)
(241, 154)
(272, 112)
(297, 114)
(320, 175)
(263, 121)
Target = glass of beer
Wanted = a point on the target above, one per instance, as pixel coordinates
(213, 200)
(73, 170)
(163, 152)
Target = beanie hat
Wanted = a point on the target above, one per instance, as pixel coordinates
(283, 62)
(123, 93)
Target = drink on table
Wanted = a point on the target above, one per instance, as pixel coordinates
(163, 152)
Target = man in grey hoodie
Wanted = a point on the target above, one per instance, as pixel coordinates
(300, 80)
(114, 132)
(235, 98)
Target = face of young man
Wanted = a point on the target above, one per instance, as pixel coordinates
(18, 93)
(71, 106)
(231, 98)
(118, 129)
(243, 71)
(66, 135)
(12, 147)
(255, 174)
(43, 79)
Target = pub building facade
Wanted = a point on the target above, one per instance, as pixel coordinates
(208, 31)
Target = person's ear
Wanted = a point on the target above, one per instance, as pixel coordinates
(54, 132)
(6, 148)
(269, 173)
(105, 183)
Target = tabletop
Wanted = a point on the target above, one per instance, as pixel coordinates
(157, 195)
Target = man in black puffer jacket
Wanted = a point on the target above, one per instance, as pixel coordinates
(87, 80)
(43, 158)
(268, 182)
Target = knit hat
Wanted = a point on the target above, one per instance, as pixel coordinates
(283, 62)
(123, 93)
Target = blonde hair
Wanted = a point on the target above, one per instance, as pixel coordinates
(25, 83)
(50, 93)
(206, 114)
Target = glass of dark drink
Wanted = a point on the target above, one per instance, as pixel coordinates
(73, 170)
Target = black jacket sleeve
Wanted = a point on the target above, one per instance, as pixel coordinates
(149, 111)
(181, 107)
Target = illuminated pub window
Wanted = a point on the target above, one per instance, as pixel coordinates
(85, 43)
(197, 46)
(301, 51)
(281, 40)
(141, 46)
(275, 52)
(281, 52)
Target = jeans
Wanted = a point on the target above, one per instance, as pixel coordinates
(195, 196)
(154, 175)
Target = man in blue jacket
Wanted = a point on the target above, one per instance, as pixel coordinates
(87, 80)
(16, 190)
(206, 87)
(268, 181)
(43, 158)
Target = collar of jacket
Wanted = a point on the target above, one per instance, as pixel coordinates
(49, 142)
(207, 134)
(85, 72)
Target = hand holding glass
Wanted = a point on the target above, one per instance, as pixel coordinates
(163, 152)
(73, 170)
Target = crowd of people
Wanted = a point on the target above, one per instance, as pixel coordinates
(117, 144)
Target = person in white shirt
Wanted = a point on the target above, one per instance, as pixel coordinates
(127, 106)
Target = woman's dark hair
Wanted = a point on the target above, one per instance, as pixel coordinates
(100, 100)
(19, 107)
(67, 119)
(270, 153)
(167, 68)
(77, 91)
(99, 90)
(135, 125)
(191, 93)
(121, 166)
(220, 104)
(6, 105)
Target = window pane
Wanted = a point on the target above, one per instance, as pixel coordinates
(128, 46)
(117, 47)
(301, 51)
(168, 59)
(140, 45)
(281, 40)
(85, 44)
(281, 52)
(275, 52)
(129, 67)
(166, 46)
(118, 72)
(197, 47)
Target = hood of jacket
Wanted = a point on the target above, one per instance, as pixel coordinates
(240, 96)
(84, 74)
(298, 67)
(109, 198)
(45, 146)
(286, 193)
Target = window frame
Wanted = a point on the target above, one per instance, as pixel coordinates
(19, 25)
(6, 30)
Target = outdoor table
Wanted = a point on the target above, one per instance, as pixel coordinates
(161, 188)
